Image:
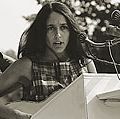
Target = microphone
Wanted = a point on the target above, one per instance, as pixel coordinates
(82, 36)
(115, 16)
(85, 40)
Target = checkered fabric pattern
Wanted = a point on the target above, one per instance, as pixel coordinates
(50, 77)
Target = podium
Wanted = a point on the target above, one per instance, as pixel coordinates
(69, 103)
(96, 84)
(78, 100)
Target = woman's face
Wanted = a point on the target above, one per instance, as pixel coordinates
(57, 32)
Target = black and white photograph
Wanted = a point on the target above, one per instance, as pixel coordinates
(60, 59)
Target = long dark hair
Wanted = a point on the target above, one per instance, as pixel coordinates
(34, 38)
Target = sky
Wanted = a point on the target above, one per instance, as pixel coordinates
(11, 22)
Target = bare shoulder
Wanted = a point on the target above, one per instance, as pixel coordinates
(24, 62)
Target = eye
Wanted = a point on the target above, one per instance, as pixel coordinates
(50, 28)
(64, 27)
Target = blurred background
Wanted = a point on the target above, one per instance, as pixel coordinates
(93, 17)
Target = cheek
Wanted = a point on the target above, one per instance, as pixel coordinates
(49, 39)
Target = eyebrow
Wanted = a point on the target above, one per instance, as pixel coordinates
(64, 24)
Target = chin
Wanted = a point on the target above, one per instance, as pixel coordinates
(59, 52)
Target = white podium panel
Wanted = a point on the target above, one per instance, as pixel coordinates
(69, 104)
(97, 84)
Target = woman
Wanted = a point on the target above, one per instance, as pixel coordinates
(50, 55)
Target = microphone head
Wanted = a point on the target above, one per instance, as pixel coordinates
(82, 37)
(115, 16)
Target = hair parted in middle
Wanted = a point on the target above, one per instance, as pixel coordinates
(34, 38)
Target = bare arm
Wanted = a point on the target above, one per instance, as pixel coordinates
(91, 66)
(8, 113)
(15, 76)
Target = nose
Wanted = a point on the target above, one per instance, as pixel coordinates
(58, 33)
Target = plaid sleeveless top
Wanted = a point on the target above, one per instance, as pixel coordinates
(49, 77)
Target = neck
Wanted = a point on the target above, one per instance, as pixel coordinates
(50, 55)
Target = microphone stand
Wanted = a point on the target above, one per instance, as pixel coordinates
(112, 42)
(109, 43)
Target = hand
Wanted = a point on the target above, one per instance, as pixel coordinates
(22, 115)
(9, 113)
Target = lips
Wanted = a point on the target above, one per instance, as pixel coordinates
(58, 43)
(58, 46)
